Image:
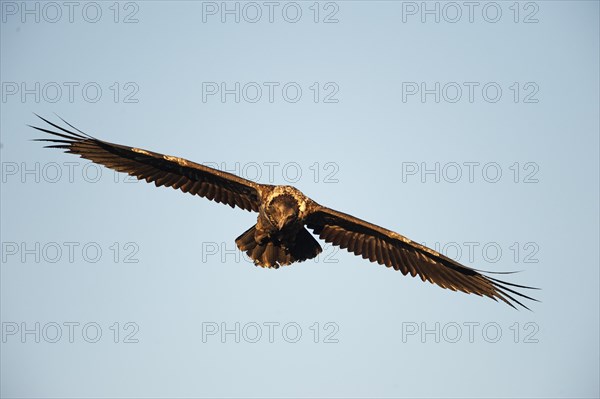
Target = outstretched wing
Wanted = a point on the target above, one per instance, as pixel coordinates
(163, 170)
(387, 247)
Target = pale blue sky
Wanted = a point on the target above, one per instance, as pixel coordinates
(365, 141)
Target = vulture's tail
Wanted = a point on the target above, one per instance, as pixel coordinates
(273, 254)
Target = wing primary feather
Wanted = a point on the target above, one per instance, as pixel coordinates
(41, 129)
(73, 127)
(85, 136)
(498, 285)
(513, 285)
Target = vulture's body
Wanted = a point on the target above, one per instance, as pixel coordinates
(279, 236)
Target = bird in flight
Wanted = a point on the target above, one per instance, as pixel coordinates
(279, 236)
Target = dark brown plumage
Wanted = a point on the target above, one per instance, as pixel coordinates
(279, 236)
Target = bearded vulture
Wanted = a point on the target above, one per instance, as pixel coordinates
(279, 236)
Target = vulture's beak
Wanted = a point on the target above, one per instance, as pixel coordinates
(281, 224)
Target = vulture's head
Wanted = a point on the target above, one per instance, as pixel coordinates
(283, 210)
